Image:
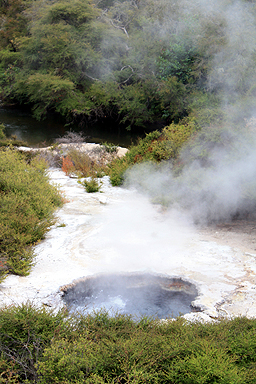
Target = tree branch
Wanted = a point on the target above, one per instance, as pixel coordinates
(127, 66)
(123, 28)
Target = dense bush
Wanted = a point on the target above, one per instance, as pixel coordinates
(24, 333)
(155, 147)
(128, 61)
(26, 211)
(39, 346)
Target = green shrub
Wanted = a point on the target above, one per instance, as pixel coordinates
(10, 58)
(150, 148)
(154, 147)
(177, 135)
(91, 185)
(24, 333)
(206, 363)
(38, 346)
(117, 170)
(109, 147)
(45, 91)
(26, 212)
(113, 350)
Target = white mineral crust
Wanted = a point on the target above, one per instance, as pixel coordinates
(119, 230)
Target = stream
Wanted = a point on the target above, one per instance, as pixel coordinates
(19, 122)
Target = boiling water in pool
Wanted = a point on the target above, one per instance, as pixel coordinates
(135, 294)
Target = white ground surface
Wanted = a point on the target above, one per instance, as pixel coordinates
(119, 230)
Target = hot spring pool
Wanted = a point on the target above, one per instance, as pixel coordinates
(135, 294)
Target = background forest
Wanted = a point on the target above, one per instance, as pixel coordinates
(134, 62)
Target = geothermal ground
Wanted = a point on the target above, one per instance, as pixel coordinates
(120, 231)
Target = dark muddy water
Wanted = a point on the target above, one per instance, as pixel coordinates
(135, 294)
(41, 133)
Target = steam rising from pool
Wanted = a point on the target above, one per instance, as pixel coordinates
(134, 294)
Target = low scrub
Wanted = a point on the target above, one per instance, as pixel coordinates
(26, 211)
(78, 163)
(38, 346)
(156, 147)
(24, 334)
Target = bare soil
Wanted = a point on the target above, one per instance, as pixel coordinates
(239, 233)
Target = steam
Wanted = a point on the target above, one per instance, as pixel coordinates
(215, 24)
(220, 186)
(134, 294)
(131, 234)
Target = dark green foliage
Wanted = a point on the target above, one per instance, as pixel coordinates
(45, 91)
(132, 104)
(26, 207)
(54, 58)
(109, 147)
(13, 22)
(84, 62)
(43, 347)
(135, 62)
(173, 103)
(10, 59)
(178, 60)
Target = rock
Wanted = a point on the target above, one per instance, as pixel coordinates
(96, 152)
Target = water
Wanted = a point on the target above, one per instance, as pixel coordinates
(19, 122)
(135, 294)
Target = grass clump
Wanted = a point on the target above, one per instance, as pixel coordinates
(42, 347)
(26, 210)
(91, 185)
(156, 147)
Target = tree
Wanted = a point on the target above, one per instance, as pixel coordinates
(13, 22)
(62, 39)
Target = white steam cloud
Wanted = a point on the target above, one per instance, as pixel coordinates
(225, 186)
(222, 185)
(210, 194)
